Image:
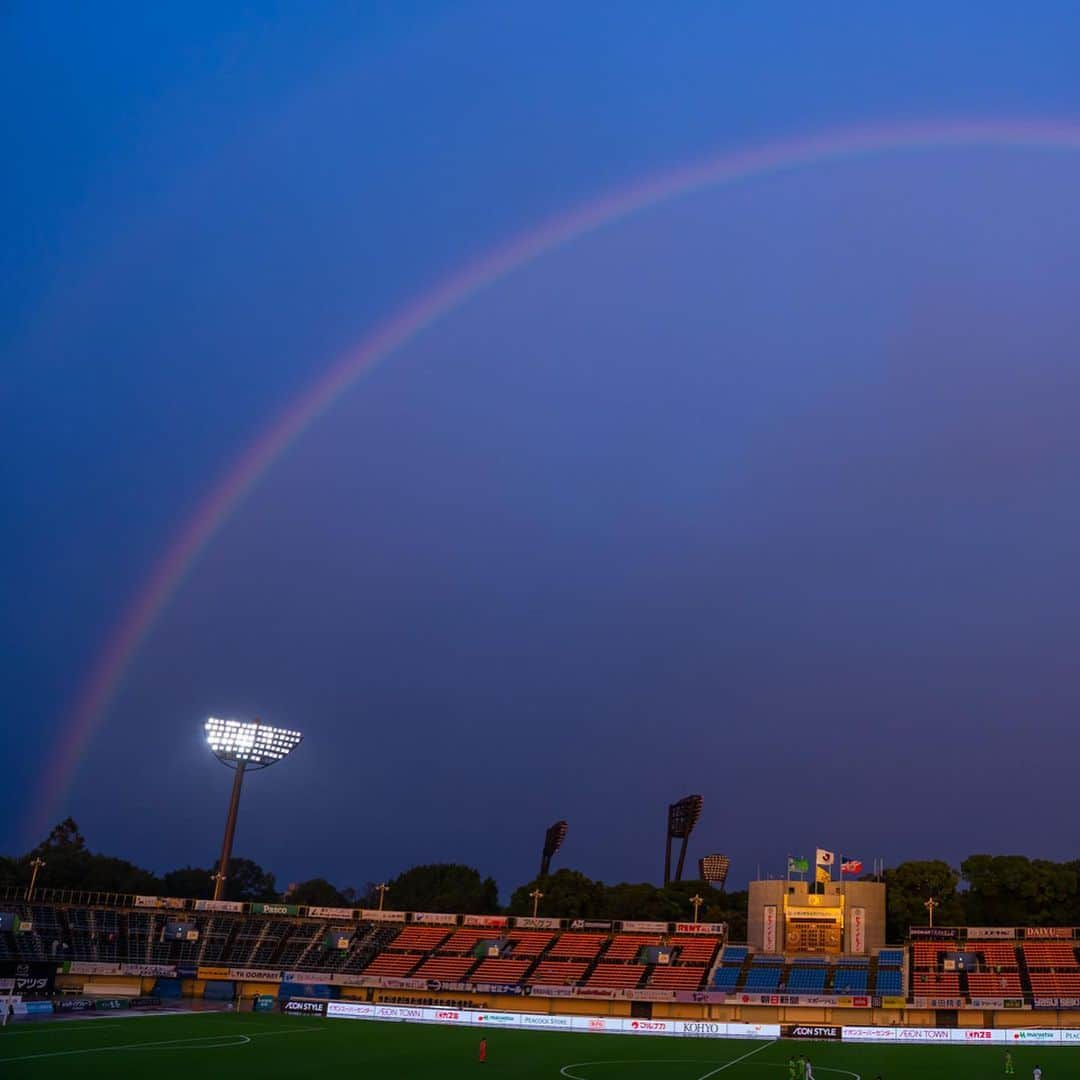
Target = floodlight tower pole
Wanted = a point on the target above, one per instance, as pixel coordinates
(682, 858)
(37, 863)
(230, 831)
(667, 859)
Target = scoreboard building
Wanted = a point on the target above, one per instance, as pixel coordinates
(792, 917)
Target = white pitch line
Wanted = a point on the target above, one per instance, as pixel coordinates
(204, 1042)
(728, 1065)
(60, 1025)
(137, 1046)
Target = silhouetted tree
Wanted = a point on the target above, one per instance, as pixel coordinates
(448, 887)
(317, 891)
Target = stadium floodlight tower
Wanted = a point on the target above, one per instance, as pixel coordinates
(553, 840)
(682, 816)
(714, 869)
(244, 746)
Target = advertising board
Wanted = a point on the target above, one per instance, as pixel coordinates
(527, 922)
(305, 1007)
(219, 905)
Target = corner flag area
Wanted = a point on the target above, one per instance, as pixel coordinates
(265, 1046)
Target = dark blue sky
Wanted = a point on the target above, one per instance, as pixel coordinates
(768, 492)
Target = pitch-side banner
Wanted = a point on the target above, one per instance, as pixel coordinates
(639, 927)
(991, 933)
(89, 967)
(375, 915)
(1048, 932)
(354, 1010)
(493, 922)
(254, 975)
(218, 905)
(330, 912)
(434, 918)
(527, 922)
(700, 928)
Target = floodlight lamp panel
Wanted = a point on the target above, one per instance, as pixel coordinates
(250, 743)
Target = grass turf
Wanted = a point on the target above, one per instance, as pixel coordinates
(208, 1045)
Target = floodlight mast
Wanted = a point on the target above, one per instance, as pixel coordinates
(553, 840)
(241, 746)
(682, 817)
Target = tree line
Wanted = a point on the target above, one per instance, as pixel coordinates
(985, 890)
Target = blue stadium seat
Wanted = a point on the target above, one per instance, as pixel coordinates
(804, 980)
(763, 978)
(890, 981)
(851, 980)
(890, 958)
(726, 978)
(734, 954)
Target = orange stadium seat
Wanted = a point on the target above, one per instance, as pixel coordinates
(464, 941)
(577, 946)
(530, 942)
(419, 938)
(684, 977)
(557, 973)
(616, 975)
(447, 968)
(500, 971)
(399, 964)
(627, 946)
(694, 950)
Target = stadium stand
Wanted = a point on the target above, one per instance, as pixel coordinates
(694, 950)
(629, 946)
(574, 946)
(1052, 968)
(445, 968)
(530, 942)
(500, 971)
(557, 973)
(616, 975)
(677, 977)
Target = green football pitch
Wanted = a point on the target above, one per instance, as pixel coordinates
(208, 1045)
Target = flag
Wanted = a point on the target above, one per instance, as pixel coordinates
(850, 866)
(825, 858)
(823, 875)
(797, 866)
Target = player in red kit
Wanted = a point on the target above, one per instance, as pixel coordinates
(483, 1051)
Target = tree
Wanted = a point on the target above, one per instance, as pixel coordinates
(64, 837)
(910, 885)
(190, 882)
(568, 894)
(249, 882)
(318, 892)
(1012, 890)
(12, 872)
(448, 887)
(69, 864)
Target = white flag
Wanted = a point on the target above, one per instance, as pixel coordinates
(825, 858)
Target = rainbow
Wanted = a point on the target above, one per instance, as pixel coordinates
(102, 682)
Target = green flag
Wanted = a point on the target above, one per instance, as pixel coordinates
(797, 866)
